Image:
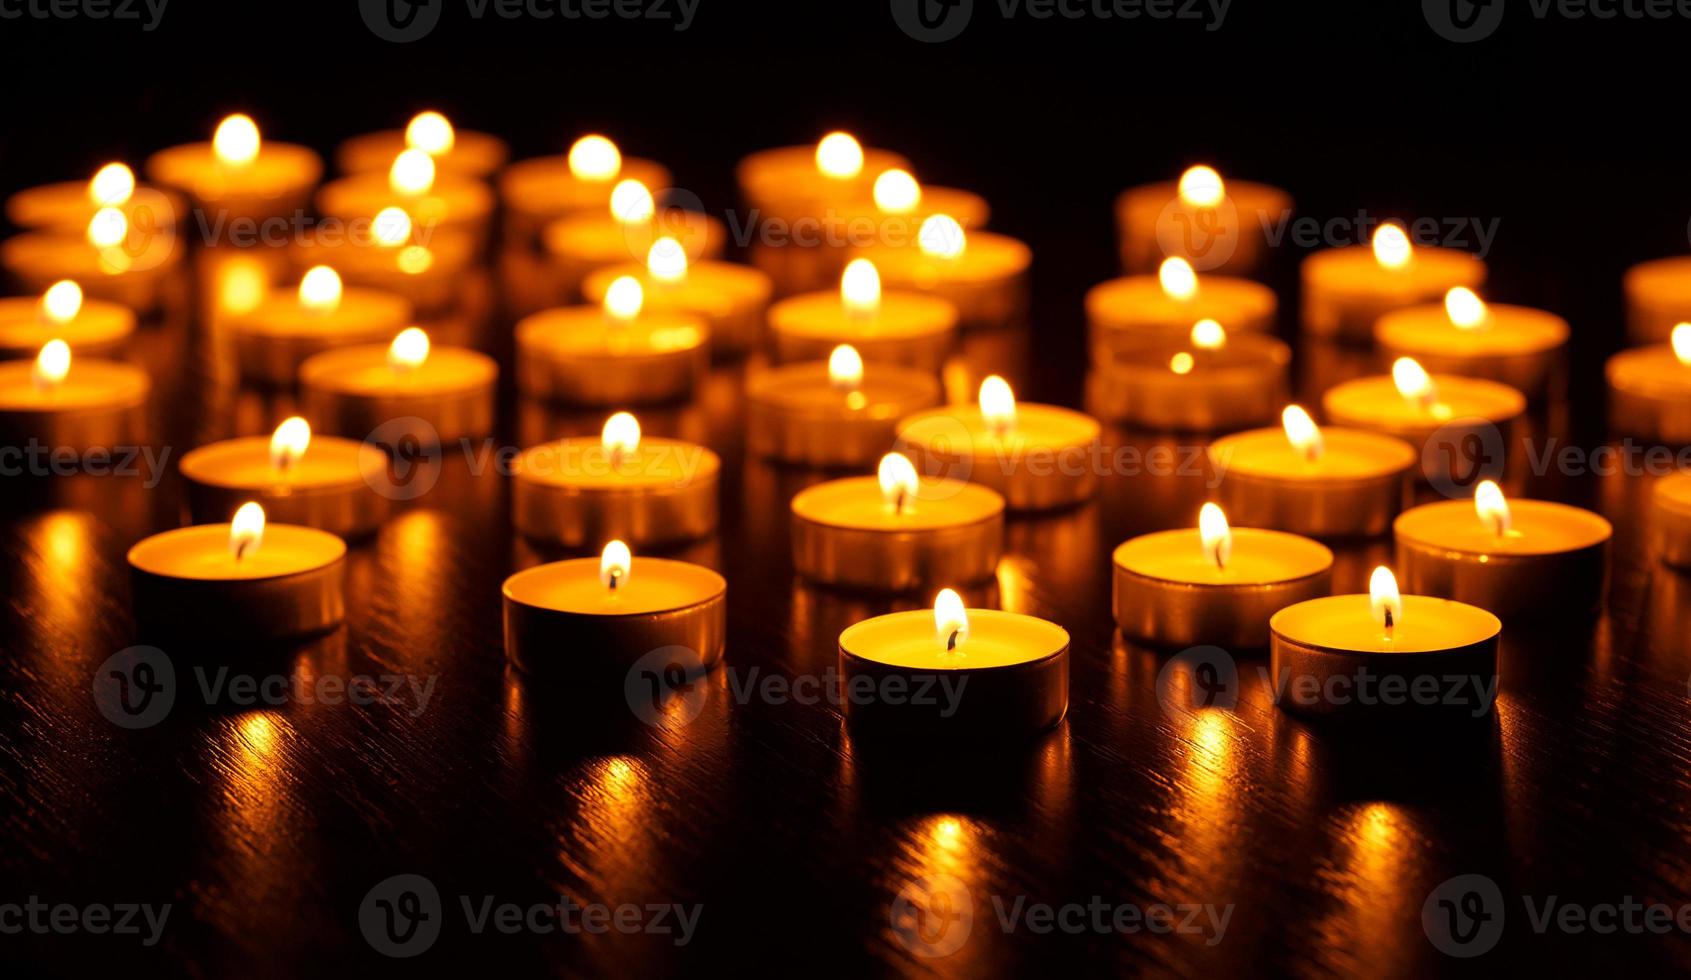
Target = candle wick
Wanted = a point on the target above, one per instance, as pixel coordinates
(898, 502)
(241, 549)
(951, 644)
(616, 579)
(1388, 612)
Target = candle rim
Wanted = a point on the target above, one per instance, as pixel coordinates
(1239, 534)
(925, 619)
(784, 386)
(142, 552)
(643, 565)
(1674, 492)
(1406, 525)
(1426, 604)
(869, 488)
(363, 454)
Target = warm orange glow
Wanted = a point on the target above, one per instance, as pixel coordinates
(1302, 432)
(998, 405)
(632, 202)
(1465, 309)
(595, 158)
(1391, 246)
(897, 476)
(860, 287)
(941, 236)
(51, 365)
(430, 132)
(414, 260)
(897, 192)
(1178, 280)
(412, 173)
(236, 142)
(1182, 363)
(1682, 343)
(112, 185)
(246, 530)
(1208, 335)
(620, 436)
(391, 227)
(615, 564)
(1201, 187)
(108, 228)
(320, 290)
(845, 368)
(1383, 598)
(61, 302)
(666, 260)
(624, 299)
(839, 155)
(409, 350)
(1216, 536)
(1492, 507)
(288, 442)
(241, 285)
(951, 620)
(1413, 382)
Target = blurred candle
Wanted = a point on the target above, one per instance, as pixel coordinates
(1159, 309)
(1650, 390)
(1515, 345)
(238, 174)
(616, 353)
(841, 412)
(1415, 406)
(1346, 290)
(61, 402)
(981, 273)
(1214, 382)
(731, 298)
(90, 327)
(286, 327)
(301, 478)
(543, 189)
(892, 327)
(1217, 225)
(406, 391)
(459, 152)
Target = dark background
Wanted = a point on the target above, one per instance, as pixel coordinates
(265, 829)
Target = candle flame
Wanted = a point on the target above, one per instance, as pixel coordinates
(320, 290)
(1682, 343)
(632, 202)
(839, 155)
(1202, 187)
(615, 562)
(241, 284)
(860, 287)
(998, 405)
(1182, 363)
(897, 192)
(409, 350)
(595, 158)
(620, 436)
(430, 132)
(51, 365)
(951, 620)
(942, 237)
(1465, 308)
(414, 260)
(1493, 509)
(1384, 601)
(1302, 432)
(236, 141)
(246, 530)
(62, 301)
(108, 228)
(624, 299)
(112, 185)
(898, 481)
(1392, 249)
(666, 260)
(1208, 335)
(1178, 280)
(412, 173)
(1215, 534)
(288, 442)
(845, 368)
(1413, 382)
(391, 227)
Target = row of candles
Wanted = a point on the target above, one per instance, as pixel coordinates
(1173, 349)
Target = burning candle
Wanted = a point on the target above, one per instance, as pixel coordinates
(112, 259)
(1658, 297)
(1214, 382)
(614, 354)
(1347, 289)
(315, 481)
(1329, 483)
(91, 327)
(1516, 345)
(838, 413)
(597, 617)
(1414, 406)
(238, 174)
(1650, 390)
(1514, 558)
(1672, 498)
(543, 189)
(995, 674)
(644, 490)
(459, 152)
(430, 395)
(1214, 584)
(581, 244)
(805, 181)
(54, 403)
(896, 532)
(285, 328)
(1037, 456)
(894, 327)
(1213, 224)
(68, 206)
(431, 268)
(731, 298)
(981, 273)
(1387, 654)
(435, 200)
(218, 583)
(1134, 310)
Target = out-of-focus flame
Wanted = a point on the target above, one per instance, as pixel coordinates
(320, 290)
(839, 155)
(897, 476)
(246, 530)
(61, 302)
(1202, 187)
(108, 228)
(998, 405)
(1465, 309)
(1682, 343)
(1208, 335)
(410, 348)
(897, 192)
(1302, 432)
(632, 202)
(942, 237)
(1178, 280)
(860, 287)
(1182, 363)
(595, 158)
(391, 227)
(624, 298)
(430, 132)
(111, 186)
(1413, 382)
(1491, 506)
(666, 260)
(51, 365)
(620, 437)
(288, 442)
(412, 173)
(236, 141)
(845, 368)
(1392, 249)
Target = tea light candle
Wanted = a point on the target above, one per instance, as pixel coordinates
(617, 354)
(238, 174)
(1516, 345)
(328, 487)
(731, 298)
(581, 244)
(286, 328)
(113, 260)
(1217, 381)
(90, 327)
(52, 403)
(458, 152)
(1214, 584)
(1328, 483)
(839, 413)
(1522, 557)
(1347, 289)
(1416, 654)
(429, 268)
(1213, 224)
(350, 391)
(68, 206)
(805, 181)
(896, 327)
(894, 532)
(597, 617)
(543, 189)
(1658, 297)
(644, 490)
(1413, 405)
(992, 674)
(899, 204)
(1133, 310)
(1672, 500)
(1650, 390)
(981, 273)
(240, 580)
(1037, 456)
(433, 200)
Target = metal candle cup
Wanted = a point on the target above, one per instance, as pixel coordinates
(1463, 408)
(1228, 237)
(1346, 290)
(99, 404)
(278, 181)
(731, 298)
(99, 328)
(912, 329)
(1650, 394)
(354, 390)
(1658, 296)
(1043, 461)
(1354, 487)
(1517, 345)
(472, 154)
(581, 356)
(845, 534)
(1672, 503)
(330, 487)
(987, 281)
(276, 337)
(1552, 561)
(795, 413)
(188, 585)
(1240, 384)
(1134, 310)
(576, 493)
